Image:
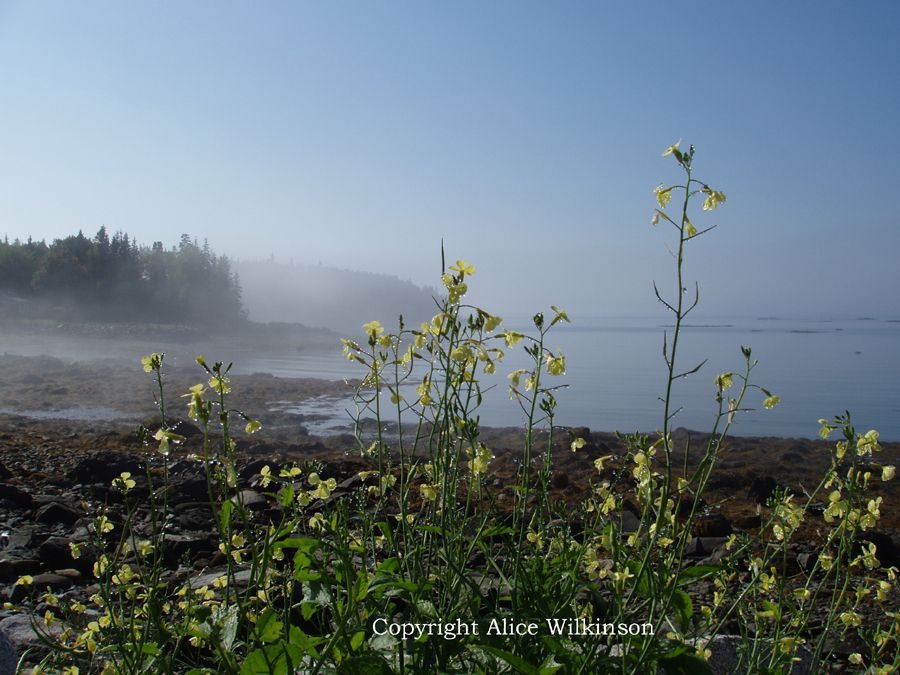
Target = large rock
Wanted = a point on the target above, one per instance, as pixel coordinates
(104, 467)
(9, 658)
(52, 513)
(40, 584)
(16, 495)
(21, 634)
(716, 525)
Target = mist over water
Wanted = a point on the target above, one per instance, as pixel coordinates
(615, 369)
(328, 297)
(616, 374)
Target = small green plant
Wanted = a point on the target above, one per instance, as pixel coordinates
(425, 563)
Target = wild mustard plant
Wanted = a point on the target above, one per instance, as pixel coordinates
(425, 565)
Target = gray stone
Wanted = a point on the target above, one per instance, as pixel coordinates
(39, 584)
(21, 498)
(53, 513)
(9, 658)
(252, 500)
(700, 547)
(22, 634)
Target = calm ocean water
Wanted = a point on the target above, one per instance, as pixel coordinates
(615, 374)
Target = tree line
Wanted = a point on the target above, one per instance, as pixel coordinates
(115, 279)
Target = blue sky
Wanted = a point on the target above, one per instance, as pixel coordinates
(527, 135)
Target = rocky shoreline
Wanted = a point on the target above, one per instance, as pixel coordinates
(51, 469)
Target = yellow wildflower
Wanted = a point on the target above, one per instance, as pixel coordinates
(671, 149)
(714, 199)
(663, 196)
(463, 268)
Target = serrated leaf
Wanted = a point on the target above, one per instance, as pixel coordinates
(227, 509)
(268, 628)
(227, 621)
(273, 660)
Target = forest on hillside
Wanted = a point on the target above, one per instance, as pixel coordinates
(114, 279)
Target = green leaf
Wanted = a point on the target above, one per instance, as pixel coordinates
(304, 642)
(287, 496)
(772, 607)
(685, 606)
(273, 660)
(516, 662)
(685, 664)
(398, 583)
(643, 582)
(268, 628)
(357, 640)
(698, 571)
(302, 543)
(389, 566)
(497, 530)
(429, 528)
(317, 593)
(227, 620)
(368, 664)
(427, 608)
(227, 509)
(383, 642)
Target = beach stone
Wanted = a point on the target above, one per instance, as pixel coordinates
(255, 467)
(190, 489)
(39, 584)
(252, 500)
(54, 512)
(21, 634)
(22, 559)
(197, 519)
(55, 552)
(241, 577)
(9, 658)
(748, 522)
(700, 547)
(711, 526)
(630, 522)
(104, 467)
(761, 489)
(561, 480)
(179, 545)
(184, 428)
(352, 483)
(16, 495)
(75, 576)
(885, 550)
